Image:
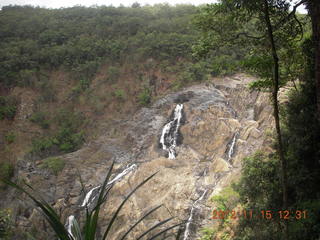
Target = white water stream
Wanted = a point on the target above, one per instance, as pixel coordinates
(169, 134)
(194, 206)
(232, 146)
(89, 199)
(69, 224)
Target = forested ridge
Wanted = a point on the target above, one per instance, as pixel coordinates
(83, 64)
(95, 61)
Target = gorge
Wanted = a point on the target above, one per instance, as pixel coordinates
(212, 127)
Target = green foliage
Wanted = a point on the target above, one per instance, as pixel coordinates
(260, 183)
(68, 136)
(42, 145)
(54, 164)
(80, 39)
(8, 107)
(47, 91)
(90, 225)
(82, 85)
(113, 74)
(194, 72)
(207, 233)
(188, 73)
(226, 199)
(144, 97)
(120, 94)
(224, 65)
(260, 189)
(302, 143)
(6, 171)
(5, 224)
(40, 119)
(10, 137)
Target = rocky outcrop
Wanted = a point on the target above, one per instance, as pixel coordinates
(223, 123)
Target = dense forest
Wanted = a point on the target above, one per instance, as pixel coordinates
(118, 44)
(267, 39)
(34, 40)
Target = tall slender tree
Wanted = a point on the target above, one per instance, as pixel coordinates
(270, 18)
(313, 7)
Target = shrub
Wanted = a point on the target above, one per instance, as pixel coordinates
(207, 233)
(226, 200)
(113, 74)
(144, 97)
(42, 145)
(5, 224)
(120, 94)
(8, 107)
(54, 164)
(82, 85)
(40, 119)
(48, 94)
(10, 137)
(67, 138)
(6, 172)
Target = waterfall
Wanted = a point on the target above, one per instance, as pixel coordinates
(69, 224)
(90, 197)
(169, 134)
(232, 145)
(194, 206)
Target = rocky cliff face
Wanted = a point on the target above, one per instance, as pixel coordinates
(222, 123)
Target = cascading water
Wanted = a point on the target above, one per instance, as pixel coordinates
(232, 147)
(92, 194)
(88, 196)
(69, 224)
(170, 132)
(194, 206)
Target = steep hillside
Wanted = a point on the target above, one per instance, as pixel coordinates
(222, 122)
(160, 89)
(68, 74)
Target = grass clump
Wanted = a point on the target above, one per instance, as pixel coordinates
(54, 164)
(120, 94)
(144, 97)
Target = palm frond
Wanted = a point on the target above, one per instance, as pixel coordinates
(141, 219)
(47, 210)
(165, 230)
(122, 204)
(154, 227)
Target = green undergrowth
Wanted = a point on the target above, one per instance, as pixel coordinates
(66, 137)
(8, 107)
(54, 164)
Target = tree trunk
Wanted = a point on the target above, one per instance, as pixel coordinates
(276, 113)
(314, 12)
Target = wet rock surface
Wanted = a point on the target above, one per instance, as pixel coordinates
(217, 116)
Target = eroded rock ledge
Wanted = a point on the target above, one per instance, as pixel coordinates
(218, 116)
